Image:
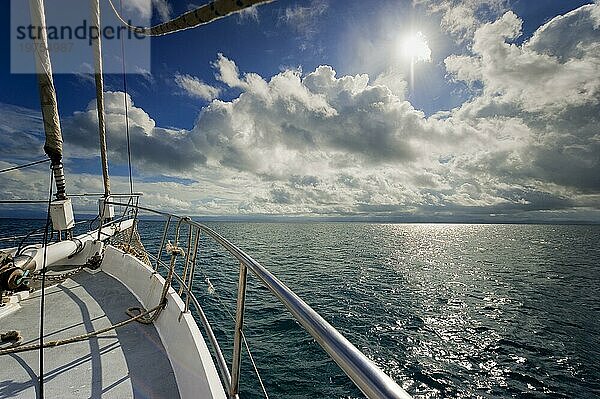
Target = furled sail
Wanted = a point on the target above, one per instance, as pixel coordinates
(54, 142)
(199, 16)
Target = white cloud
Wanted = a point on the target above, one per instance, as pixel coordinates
(394, 80)
(302, 121)
(154, 148)
(461, 18)
(318, 143)
(305, 19)
(536, 75)
(195, 87)
(550, 85)
(228, 72)
(164, 9)
(142, 8)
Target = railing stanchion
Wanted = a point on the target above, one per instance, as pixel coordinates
(237, 338)
(192, 272)
(188, 253)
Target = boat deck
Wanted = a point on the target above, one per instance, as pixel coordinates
(130, 362)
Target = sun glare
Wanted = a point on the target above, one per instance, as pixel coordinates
(415, 48)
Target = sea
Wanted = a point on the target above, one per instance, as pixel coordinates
(447, 310)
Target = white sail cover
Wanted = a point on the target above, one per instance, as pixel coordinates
(199, 16)
(53, 145)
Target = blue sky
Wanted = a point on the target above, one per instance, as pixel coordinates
(270, 44)
(309, 108)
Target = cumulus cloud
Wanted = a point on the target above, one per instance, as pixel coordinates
(550, 85)
(524, 74)
(195, 87)
(153, 147)
(292, 122)
(338, 144)
(394, 80)
(527, 142)
(228, 72)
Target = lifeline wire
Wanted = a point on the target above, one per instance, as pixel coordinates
(224, 306)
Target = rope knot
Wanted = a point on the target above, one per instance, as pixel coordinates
(11, 336)
(173, 249)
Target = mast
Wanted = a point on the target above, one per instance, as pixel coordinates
(97, 48)
(53, 146)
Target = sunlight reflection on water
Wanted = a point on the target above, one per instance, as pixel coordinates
(447, 310)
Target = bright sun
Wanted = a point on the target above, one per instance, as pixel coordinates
(415, 48)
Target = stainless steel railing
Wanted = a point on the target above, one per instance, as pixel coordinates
(369, 378)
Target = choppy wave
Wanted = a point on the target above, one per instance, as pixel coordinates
(457, 311)
(448, 310)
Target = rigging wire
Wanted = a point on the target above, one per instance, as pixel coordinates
(25, 165)
(260, 381)
(216, 295)
(42, 294)
(126, 105)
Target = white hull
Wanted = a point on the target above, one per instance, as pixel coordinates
(188, 353)
(115, 364)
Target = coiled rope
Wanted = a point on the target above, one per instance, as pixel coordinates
(77, 338)
(11, 336)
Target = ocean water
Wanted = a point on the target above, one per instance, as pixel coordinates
(458, 311)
